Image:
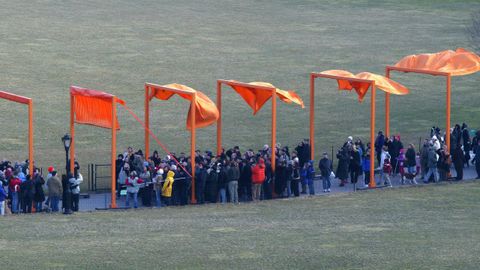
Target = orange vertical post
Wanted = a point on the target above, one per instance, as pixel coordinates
(387, 107)
(147, 121)
(219, 120)
(192, 144)
(448, 109)
(372, 183)
(312, 116)
(114, 152)
(31, 160)
(274, 126)
(72, 132)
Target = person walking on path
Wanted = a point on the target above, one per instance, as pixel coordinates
(325, 167)
(411, 164)
(432, 165)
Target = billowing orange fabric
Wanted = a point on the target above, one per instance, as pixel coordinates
(256, 98)
(457, 63)
(361, 88)
(93, 107)
(206, 112)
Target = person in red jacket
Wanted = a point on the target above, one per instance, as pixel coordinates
(14, 189)
(258, 176)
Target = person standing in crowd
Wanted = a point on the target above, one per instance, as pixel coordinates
(211, 185)
(467, 144)
(157, 187)
(280, 177)
(167, 187)
(28, 190)
(75, 182)
(200, 179)
(325, 167)
(308, 174)
(411, 164)
(424, 158)
(288, 175)
(246, 180)
(355, 164)
(54, 190)
(3, 198)
(432, 164)
(267, 183)
(386, 168)
(477, 158)
(379, 143)
(118, 169)
(15, 193)
(296, 177)
(39, 195)
(133, 186)
(458, 159)
(222, 182)
(258, 177)
(233, 174)
(342, 167)
(366, 167)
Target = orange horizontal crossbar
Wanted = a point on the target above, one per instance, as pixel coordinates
(15, 98)
(421, 71)
(335, 77)
(170, 89)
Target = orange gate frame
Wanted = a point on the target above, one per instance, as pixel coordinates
(274, 113)
(114, 143)
(148, 88)
(29, 103)
(421, 71)
(315, 75)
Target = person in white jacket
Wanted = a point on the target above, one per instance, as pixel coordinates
(75, 182)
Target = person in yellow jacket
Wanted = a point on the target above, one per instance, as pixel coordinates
(167, 187)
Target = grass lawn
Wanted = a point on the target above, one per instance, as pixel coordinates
(431, 227)
(118, 45)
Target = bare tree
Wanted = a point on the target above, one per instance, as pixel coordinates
(474, 31)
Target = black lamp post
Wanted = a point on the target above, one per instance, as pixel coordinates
(66, 144)
(67, 193)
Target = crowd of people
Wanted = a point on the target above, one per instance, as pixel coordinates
(233, 176)
(22, 192)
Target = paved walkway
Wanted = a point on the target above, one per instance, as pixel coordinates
(99, 201)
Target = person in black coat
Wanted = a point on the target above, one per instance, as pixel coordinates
(200, 179)
(458, 159)
(325, 166)
(467, 144)
(355, 164)
(39, 196)
(342, 167)
(211, 184)
(280, 178)
(28, 191)
(245, 192)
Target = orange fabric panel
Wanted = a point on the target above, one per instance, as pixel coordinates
(457, 63)
(93, 107)
(256, 97)
(206, 112)
(381, 82)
